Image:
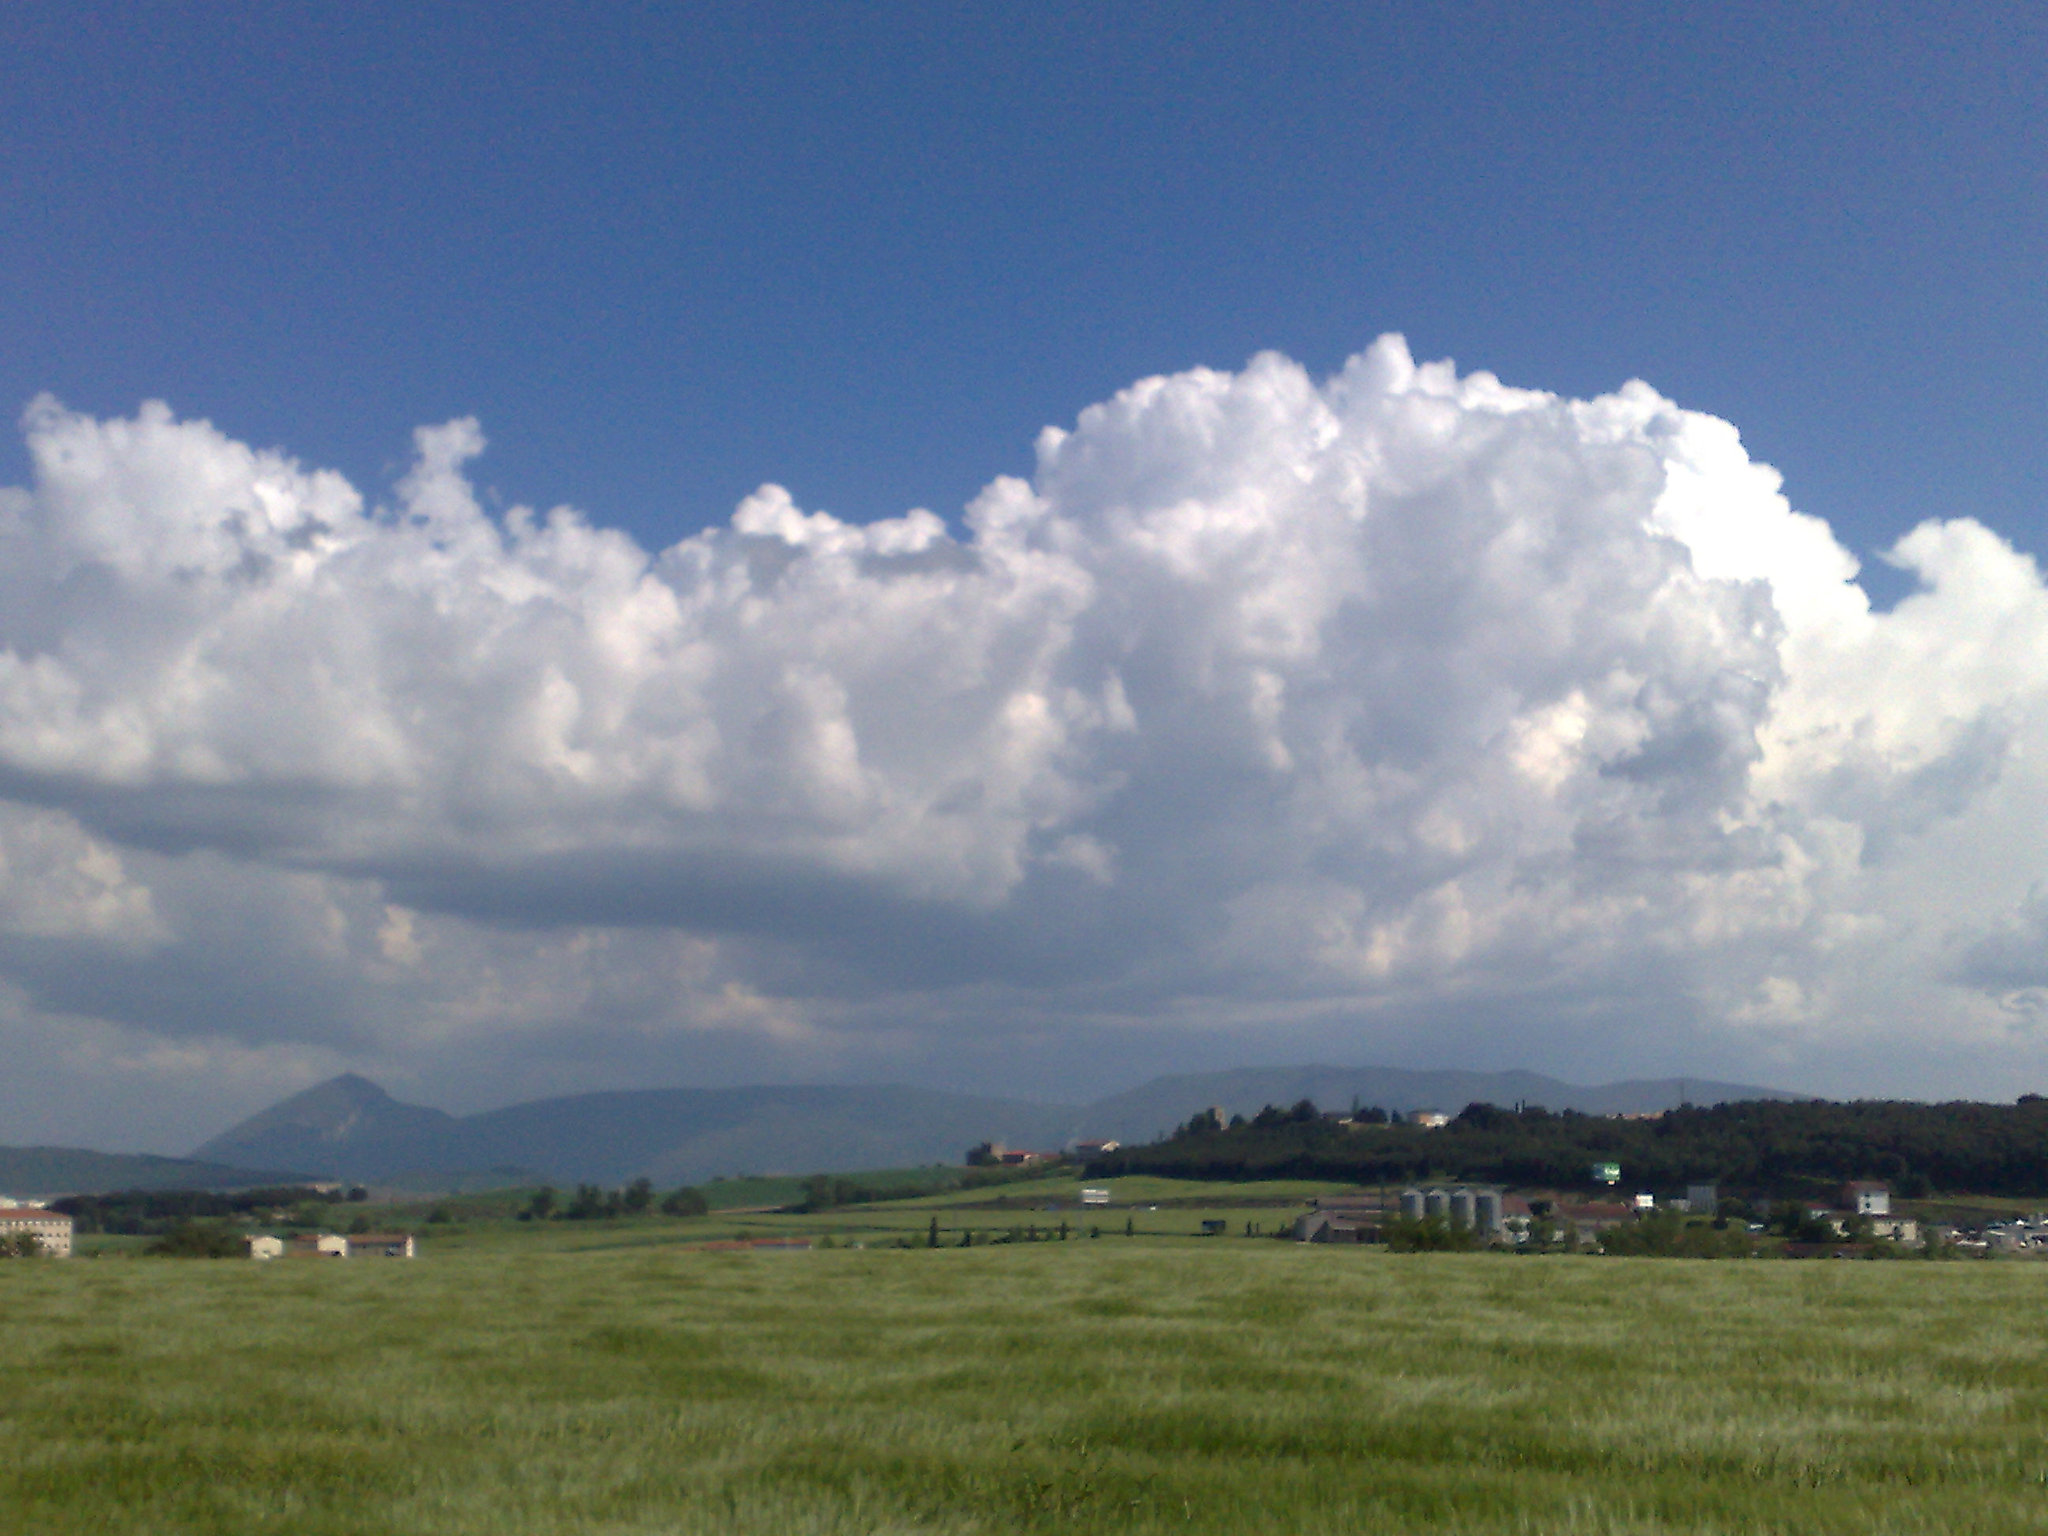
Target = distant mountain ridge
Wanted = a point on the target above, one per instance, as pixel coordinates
(350, 1128)
(354, 1129)
(40, 1173)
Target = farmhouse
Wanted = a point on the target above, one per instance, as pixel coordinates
(1338, 1225)
(51, 1231)
(1590, 1219)
(1866, 1199)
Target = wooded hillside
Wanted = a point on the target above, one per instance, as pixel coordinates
(1756, 1148)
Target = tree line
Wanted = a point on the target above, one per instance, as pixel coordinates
(137, 1212)
(1758, 1148)
(593, 1202)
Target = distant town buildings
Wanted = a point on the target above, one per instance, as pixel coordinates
(1013, 1158)
(332, 1245)
(993, 1154)
(1866, 1199)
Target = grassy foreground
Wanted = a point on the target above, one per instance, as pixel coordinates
(1078, 1387)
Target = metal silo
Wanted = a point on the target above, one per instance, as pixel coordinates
(1486, 1212)
(1462, 1209)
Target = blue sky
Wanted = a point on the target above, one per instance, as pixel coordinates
(1311, 701)
(667, 253)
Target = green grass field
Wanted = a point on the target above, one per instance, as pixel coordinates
(1105, 1386)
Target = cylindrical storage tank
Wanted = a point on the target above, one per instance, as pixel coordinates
(1486, 1211)
(1437, 1203)
(1411, 1205)
(1461, 1208)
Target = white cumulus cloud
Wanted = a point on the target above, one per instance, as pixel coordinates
(1396, 701)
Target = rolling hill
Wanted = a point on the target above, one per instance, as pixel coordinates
(37, 1173)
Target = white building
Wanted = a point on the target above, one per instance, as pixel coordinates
(1866, 1199)
(50, 1230)
(265, 1247)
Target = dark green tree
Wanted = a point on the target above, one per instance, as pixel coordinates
(199, 1240)
(685, 1202)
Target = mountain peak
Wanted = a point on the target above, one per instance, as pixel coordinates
(342, 1111)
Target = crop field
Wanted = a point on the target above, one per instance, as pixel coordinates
(1084, 1386)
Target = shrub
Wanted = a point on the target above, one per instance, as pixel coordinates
(199, 1240)
(1432, 1234)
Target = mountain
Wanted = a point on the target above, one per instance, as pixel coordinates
(332, 1127)
(1153, 1108)
(349, 1128)
(39, 1173)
